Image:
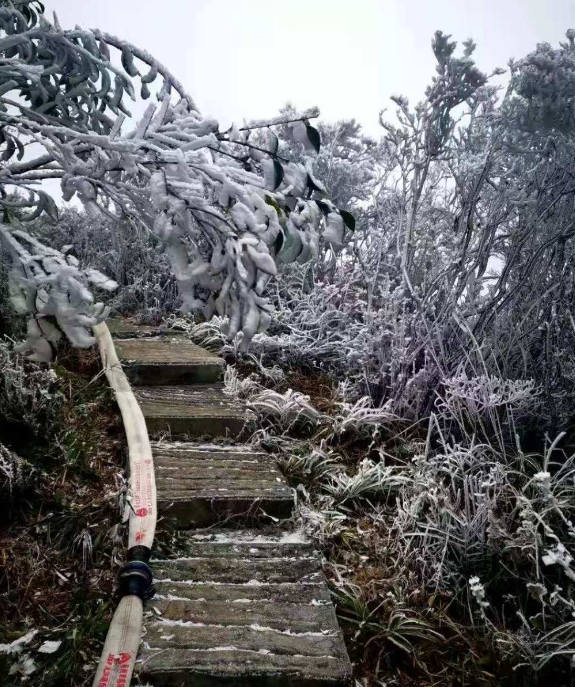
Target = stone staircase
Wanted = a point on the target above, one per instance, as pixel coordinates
(247, 604)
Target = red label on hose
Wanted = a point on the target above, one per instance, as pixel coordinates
(142, 512)
(122, 660)
(140, 536)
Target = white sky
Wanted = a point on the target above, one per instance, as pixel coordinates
(246, 58)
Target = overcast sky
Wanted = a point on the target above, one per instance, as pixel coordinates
(246, 58)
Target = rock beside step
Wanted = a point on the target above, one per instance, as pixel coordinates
(200, 484)
(242, 609)
(194, 411)
(167, 359)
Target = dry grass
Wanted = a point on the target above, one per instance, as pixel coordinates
(59, 540)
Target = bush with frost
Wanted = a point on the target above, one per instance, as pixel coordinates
(226, 208)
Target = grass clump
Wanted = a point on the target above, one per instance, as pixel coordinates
(60, 533)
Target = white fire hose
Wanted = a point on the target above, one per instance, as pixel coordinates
(123, 640)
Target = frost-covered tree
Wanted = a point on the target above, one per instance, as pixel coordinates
(461, 259)
(226, 209)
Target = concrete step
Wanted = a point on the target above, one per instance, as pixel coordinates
(195, 411)
(167, 359)
(202, 484)
(243, 608)
(126, 328)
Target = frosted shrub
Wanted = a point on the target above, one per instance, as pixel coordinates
(284, 410)
(14, 470)
(128, 254)
(487, 406)
(481, 394)
(561, 557)
(433, 343)
(478, 592)
(361, 417)
(29, 395)
(227, 209)
(280, 410)
(316, 464)
(370, 480)
(55, 288)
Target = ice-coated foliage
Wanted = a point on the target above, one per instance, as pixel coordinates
(126, 252)
(439, 302)
(30, 395)
(463, 242)
(440, 484)
(226, 209)
(488, 528)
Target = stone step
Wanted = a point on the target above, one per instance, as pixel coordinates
(193, 411)
(167, 359)
(279, 616)
(202, 484)
(291, 592)
(244, 608)
(244, 571)
(126, 328)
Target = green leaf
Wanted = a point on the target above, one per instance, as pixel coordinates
(272, 201)
(278, 174)
(314, 137)
(10, 149)
(279, 242)
(20, 147)
(348, 219)
(274, 142)
(50, 206)
(311, 184)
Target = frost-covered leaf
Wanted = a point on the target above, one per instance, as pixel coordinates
(128, 61)
(312, 182)
(262, 260)
(348, 219)
(101, 280)
(50, 646)
(18, 645)
(273, 174)
(313, 137)
(307, 135)
(273, 142)
(333, 233)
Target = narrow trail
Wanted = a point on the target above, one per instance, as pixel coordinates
(247, 604)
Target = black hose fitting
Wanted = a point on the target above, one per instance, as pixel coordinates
(139, 553)
(136, 580)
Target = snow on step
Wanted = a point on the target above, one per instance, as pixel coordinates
(203, 484)
(242, 608)
(167, 359)
(195, 411)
